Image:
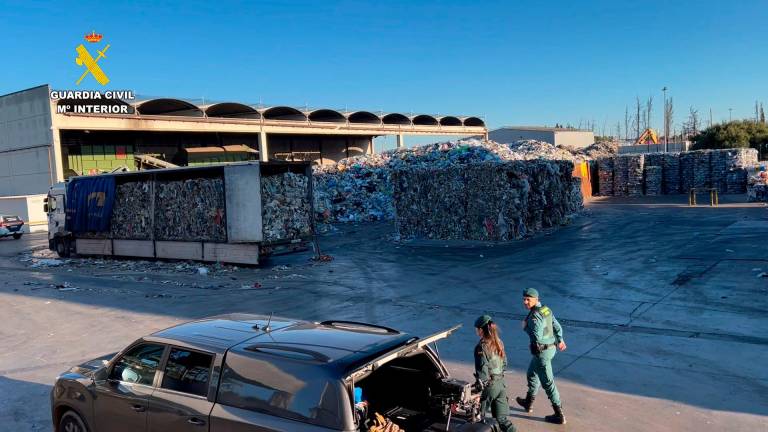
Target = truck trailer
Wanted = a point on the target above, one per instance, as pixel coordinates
(230, 213)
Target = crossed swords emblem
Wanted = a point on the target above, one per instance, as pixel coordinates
(84, 58)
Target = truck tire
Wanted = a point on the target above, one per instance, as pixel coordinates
(71, 422)
(62, 247)
(17, 236)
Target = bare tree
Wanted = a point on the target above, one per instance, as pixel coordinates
(762, 114)
(757, 112)
(638, 108)
(626, 123)
(618, 131)
(693, 122)
(648, 112)
(668, 113)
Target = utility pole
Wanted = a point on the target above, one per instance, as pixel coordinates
(666, 122)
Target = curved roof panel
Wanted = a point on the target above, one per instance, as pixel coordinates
(283, 113)
(450, 121)
(170, 107)
(396, 118)
(232, 110)
(473, 121)
(327, 115)
(364, 117)
(426, 120)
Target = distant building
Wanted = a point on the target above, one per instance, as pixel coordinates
(557, 136)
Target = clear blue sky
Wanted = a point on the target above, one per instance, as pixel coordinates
(512, 62)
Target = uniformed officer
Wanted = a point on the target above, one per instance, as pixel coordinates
(490, 361)
(545, 334)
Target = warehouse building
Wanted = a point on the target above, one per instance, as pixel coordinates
(45, 140)
(557, 136)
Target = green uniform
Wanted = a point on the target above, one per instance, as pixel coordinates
(545, 333)
(489, 369)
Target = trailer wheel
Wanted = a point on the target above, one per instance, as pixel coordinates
(62, 247)
(17, 236)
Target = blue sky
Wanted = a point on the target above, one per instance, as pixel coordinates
(513, 62)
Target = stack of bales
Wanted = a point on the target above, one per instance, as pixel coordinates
(653, 175)
(483, 201)
(671, 173)
(286, 209)
(718, 168)
(635, 165)
(620, 175)
(687, 162)
(190, 210)
(702, 176)
(605, 176)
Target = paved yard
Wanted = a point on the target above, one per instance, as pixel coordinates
(663, 310)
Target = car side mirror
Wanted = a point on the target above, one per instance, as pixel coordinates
(101, 374)
(45, 208)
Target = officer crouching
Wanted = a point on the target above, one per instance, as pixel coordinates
(545, 334)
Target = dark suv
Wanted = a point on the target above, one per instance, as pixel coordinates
(243, 373)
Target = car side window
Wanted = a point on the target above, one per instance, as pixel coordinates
(187, 371)
(138, 365)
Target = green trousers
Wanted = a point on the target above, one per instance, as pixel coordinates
(494, 397)
(540, 372)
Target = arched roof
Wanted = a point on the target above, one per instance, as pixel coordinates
(327, 115)
(450, 121)
(364, 117)
(283, 113)
(171, 107)
(232, 109)
(426, 120)
(396, 118)
(473, 121)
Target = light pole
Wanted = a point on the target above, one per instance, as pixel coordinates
(666, 122)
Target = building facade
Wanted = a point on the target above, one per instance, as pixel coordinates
(556, 136)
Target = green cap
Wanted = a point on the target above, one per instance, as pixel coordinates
(482, 321)
(530, 292)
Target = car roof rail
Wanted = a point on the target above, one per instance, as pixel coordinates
(290, 352)
(354, 325)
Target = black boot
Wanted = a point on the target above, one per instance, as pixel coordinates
(558, 417)
(526, 403)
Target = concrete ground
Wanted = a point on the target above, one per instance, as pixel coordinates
(663, 307)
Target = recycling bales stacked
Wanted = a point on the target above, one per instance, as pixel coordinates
(287, 212)
(190, 210)
(361, 188)
(132, 214)
(605, 176)
(484, 201)
(671, 173)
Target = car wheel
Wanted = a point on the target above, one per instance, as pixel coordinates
(71, 422)
(17, 236)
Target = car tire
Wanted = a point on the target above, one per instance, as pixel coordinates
(72, 422)
(17, 236)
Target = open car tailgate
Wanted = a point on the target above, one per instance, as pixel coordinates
(409, 347)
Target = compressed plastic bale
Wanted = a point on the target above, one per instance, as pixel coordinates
(719, 167)
(757, 193)
(736, 181)
(653, 175)
(131, 213)
(671, 173)
(635, 164)
(605, 176)
(286, 210)
(687, 163)
(620, 173)
(190, 210)
(702, 174)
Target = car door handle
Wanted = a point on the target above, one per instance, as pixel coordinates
(196, 421)
(138, 408)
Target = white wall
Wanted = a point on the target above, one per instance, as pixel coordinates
(577, 139)
(507, 136)
(29, 209)
(26, 158)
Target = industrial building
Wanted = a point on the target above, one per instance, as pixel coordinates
(41, 142)
(557, 136)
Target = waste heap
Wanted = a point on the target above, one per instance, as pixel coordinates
(494, 201)
(361, 188)
(132, 214)
(285, 208)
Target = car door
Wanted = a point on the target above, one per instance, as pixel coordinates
(180, 403)
(122, 399)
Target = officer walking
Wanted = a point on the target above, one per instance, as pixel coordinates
(545, 334)
(490, 361)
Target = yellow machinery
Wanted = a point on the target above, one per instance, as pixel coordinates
(648, 137)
